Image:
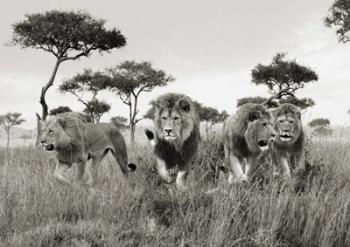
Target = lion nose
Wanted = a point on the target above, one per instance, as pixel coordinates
(168, 131)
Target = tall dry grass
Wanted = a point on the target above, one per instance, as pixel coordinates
(36, 211)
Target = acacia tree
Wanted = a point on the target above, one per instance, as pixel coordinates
(59, 110)
(283, 78)
(321, 126)
(339, 17)
(120, 122)
(93, 83)
(129, 79)
(9, 120)
(67, 35)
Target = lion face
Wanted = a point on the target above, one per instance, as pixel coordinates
(175, 118)
(170, 124)
(259, 134)
(287, 123)
(288, 128)
(54, 134)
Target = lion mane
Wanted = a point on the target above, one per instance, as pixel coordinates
(177, 114)
(246, 134)
(76, 141)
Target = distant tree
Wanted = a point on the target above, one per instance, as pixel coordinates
(339, 17)
(91, 82)
(283, 78)
(129, 80)
(9, 120)
(59, 110)
(321, 127)
(25, 137)
(120, 122)
(95, 109)
(256, 100)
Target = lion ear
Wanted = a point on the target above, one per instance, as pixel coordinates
(254, 115)
(185, 105)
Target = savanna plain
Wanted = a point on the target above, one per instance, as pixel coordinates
(310, 209)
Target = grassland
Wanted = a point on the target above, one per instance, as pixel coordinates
(36, 211)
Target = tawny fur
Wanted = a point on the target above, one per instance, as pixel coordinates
(75, 141)
(241, 134)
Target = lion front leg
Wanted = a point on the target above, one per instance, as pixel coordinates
(163, 171)
(282, 163)
(60, 171)
(80, 171)
(236, 172)
(250, 168)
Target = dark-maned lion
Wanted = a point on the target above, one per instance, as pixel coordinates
(76, 141)
(246, 135)
(176, 138)
(288, 147)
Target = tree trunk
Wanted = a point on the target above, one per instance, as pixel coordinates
(8, 138)
(131, 123)
(38, 129)
(45, 88)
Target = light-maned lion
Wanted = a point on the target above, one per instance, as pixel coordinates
(176, 137)
(288, 147)
(246, 134)
(76, 141)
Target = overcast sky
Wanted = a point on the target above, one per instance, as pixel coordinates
(210, 48)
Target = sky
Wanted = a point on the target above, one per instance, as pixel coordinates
(210, 47)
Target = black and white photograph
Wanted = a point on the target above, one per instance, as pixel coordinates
(149, 123)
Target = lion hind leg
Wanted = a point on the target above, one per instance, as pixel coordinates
(59, 173)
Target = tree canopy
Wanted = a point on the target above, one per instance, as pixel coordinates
(95, 109)
(64, 32)
(283, 78)
(88, 82)
(59, 110)
(68, 35)
(319, 122)
(339, 18)
(120, 122)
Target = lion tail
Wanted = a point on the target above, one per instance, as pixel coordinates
(150, 137)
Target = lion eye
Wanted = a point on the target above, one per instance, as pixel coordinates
(50, 132)
(264, 124)
(176, 118)
(164, 117)
(281, 121)
(291, 122)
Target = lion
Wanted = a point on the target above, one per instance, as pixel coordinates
(77, 141)
(246, 135)
(287, 150)
(176, 137)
